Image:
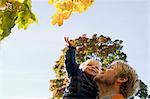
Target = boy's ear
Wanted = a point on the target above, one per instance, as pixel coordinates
(121, 80)
(82, 66)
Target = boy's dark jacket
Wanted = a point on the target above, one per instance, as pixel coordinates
(80, 85)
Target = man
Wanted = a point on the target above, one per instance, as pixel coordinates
(117, 82)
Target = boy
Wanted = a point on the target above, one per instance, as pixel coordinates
(81, 83)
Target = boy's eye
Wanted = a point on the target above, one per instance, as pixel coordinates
(97, 67)
(89, 64)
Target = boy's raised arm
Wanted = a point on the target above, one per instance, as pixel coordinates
(70, 62)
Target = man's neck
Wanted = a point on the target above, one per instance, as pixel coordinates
(108, 90)
(113, 96)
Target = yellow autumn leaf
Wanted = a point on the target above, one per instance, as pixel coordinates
(64, 9)
(50, 1)
(54, 19)
(57, 19)
(60, 19)
(66, 14)
(1, 31)
(79, 7)
(21, 1)
(30, 20)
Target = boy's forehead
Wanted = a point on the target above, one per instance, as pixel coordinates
(91, 61)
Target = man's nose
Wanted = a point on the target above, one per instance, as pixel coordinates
(100, 70)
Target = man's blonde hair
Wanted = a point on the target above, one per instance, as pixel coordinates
(90, 61)
(129, 87)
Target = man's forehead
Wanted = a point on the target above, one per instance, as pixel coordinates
(115, 65)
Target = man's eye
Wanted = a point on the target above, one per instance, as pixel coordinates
(111, 67)
(103, 69)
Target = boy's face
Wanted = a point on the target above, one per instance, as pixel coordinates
(92, 69)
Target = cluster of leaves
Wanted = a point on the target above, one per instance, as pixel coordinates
(58, 86)
(19, 12)
(64, 8)
(14, 12)
(101, 48)
(142, 92)
(98, 47)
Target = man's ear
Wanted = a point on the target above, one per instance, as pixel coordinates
(121, 80)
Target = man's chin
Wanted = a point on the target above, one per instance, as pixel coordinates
(95, 77)
(98, 77)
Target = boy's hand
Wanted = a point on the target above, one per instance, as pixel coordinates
(69, 42)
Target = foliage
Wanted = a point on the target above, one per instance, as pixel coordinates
(64, 9)
(15, 12)
(142, 92)
(18, 12)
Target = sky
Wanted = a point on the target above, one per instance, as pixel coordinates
(27, 56)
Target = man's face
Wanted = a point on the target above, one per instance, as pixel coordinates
(92, 69)
(108, 76)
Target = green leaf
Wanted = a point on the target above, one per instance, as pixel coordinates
(17, 14)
